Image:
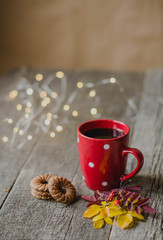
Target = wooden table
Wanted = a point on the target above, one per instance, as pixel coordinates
(135, 98)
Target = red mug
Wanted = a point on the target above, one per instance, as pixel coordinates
(103, 161)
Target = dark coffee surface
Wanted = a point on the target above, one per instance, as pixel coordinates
(104, 133)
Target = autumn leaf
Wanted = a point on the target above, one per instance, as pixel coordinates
(99, 223)
(92, 211)
(88, 198)
(139, 216)
(108, 220)
(97, 217)
(148, 209)
(115, 212)
(105, 212)
(124, 221)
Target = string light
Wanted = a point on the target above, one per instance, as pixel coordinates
(27, 110)
(113, 80)
(10, 121)
(15, 130)
(43, 94)
(59, 74)
(59, 128)
(29, 137)
(29, 104)
(47, 95)
(5, 139)
(75, 113)
(43, 104)
(21, 132)
(47, 122)
(79, 84)
(92, 93)
(93, 111)
(29, 91)
(47, 100)
(54, 95)
(39, 77)
(13, 94)
(66, 107)
(52, 134)
(19, 107)
(49, 116)
(26, 115)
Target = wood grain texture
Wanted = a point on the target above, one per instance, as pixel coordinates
(23, 216)
(148, 137)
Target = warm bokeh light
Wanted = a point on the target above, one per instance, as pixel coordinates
(10, 121)
(93, 111)
(13, 94)
(54, 95)
(29, 137)
(5, 139)
(66, 107)
(29, 91)
(59, 74)
(92, 93)
(43, 94)
(75, 113)
(39, 77)
(59, 128)
(19, 107)
(112, 80)
(79, 84)
(52, 134)
(15, 130)
(21, 132)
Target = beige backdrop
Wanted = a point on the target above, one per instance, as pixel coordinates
(94, 34)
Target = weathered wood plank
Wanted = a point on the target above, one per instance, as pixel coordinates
(24, 217)
(148, 137)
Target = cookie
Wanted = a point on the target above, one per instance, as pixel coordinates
(40, 195)
(40, 183)
(61, 189)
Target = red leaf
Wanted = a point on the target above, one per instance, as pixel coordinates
(135, 197)
(137, 209)
(100, 194)
(133, 188)
(89, 198)
(148, 209)
(92, 203)
(143, 202)
(130, 206)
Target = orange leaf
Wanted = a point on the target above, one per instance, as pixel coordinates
(104, 212)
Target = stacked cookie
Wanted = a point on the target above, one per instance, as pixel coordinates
(48, 186)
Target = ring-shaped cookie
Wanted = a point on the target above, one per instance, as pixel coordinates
(40, 183)
(40, 195)
(61, 189)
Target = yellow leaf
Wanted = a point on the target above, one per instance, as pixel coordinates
(139, 216)
(97, 217)
(108, 220)
(104, 212)
(99, 223)
(92, 211)
(124, 221)
(103, 203)
(115, 212)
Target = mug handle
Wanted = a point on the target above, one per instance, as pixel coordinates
(140, 161)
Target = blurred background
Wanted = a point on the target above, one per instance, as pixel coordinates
(73, 34)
